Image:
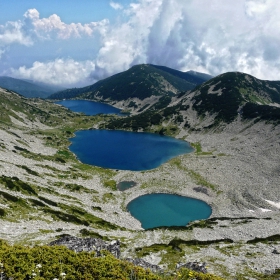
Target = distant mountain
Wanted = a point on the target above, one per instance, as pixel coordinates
(139, 82)
(196, 78)
(28, 88)
(219, 100)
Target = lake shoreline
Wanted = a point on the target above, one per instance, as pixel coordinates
(242, 191)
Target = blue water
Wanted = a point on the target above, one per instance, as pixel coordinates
(89, 108)
(126, 150)
(125, 185)
(155, 210)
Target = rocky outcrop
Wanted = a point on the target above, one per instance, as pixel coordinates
(144, 264)
(89, 245)
(196, 266)
(97, 245)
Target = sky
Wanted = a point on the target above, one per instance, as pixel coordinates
(75, 43)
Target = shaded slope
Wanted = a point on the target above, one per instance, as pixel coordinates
(140, 81)
(225, 94)
(193, 77)
(27, 88)
(219, 100)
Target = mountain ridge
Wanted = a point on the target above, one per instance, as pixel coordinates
(135, 86)
(45, 192)
(220, 100)
(27, 88)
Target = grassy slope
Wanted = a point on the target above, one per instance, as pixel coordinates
(140, 81)
(225, 97)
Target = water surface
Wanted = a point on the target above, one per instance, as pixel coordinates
(125, 185)
(126, 150)
(156, 210)
(88, 107)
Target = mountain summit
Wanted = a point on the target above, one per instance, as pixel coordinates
(137, 84)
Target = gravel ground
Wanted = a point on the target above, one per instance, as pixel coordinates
(243, 166)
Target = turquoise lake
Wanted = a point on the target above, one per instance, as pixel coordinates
(89, 108)
(136, 151)
(126, 150)
(157, 210)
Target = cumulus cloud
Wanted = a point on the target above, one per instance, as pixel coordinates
(12, 32)
(32, 28)
(126, 44)
(116, 6)
(53, 26)
(209, 36)
(58, 72)
(212, 37)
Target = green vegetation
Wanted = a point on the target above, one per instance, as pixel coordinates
(150, 120)
(140, 81)
(112, 184)
(28, 170)
(230, 98)
(108, 197)
(27, 88)
(76, 188)
(58, 262)
(225, 104)
(261, 112)
(275, 237)
(87, 233)
(16, 184)
(201, 181)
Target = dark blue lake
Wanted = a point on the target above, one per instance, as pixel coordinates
(156, 210)
(126, 150)
(89, 108)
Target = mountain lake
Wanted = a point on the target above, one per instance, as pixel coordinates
(89, 108)
(126, 150)
(136, 151)
(160, 209)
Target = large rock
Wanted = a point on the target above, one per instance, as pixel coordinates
(144, 264)
(89, 245)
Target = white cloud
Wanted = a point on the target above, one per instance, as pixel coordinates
(255, 7)
(116, 6)
(59, 71)
(32, 28)
(209, 36)
(12, 33)
(212, 37)
(126, 44)
(53, 26)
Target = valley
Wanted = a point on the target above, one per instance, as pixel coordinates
(47, 192)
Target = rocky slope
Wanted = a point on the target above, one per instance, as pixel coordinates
(46, 192)
(213, 104)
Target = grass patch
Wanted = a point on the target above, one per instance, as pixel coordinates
(200, 180)
(28, 170)
(112, 184)
(197, 147)
(272, 238)
(76, 188)
(87, 233)
(15, 184)
(107, 197)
